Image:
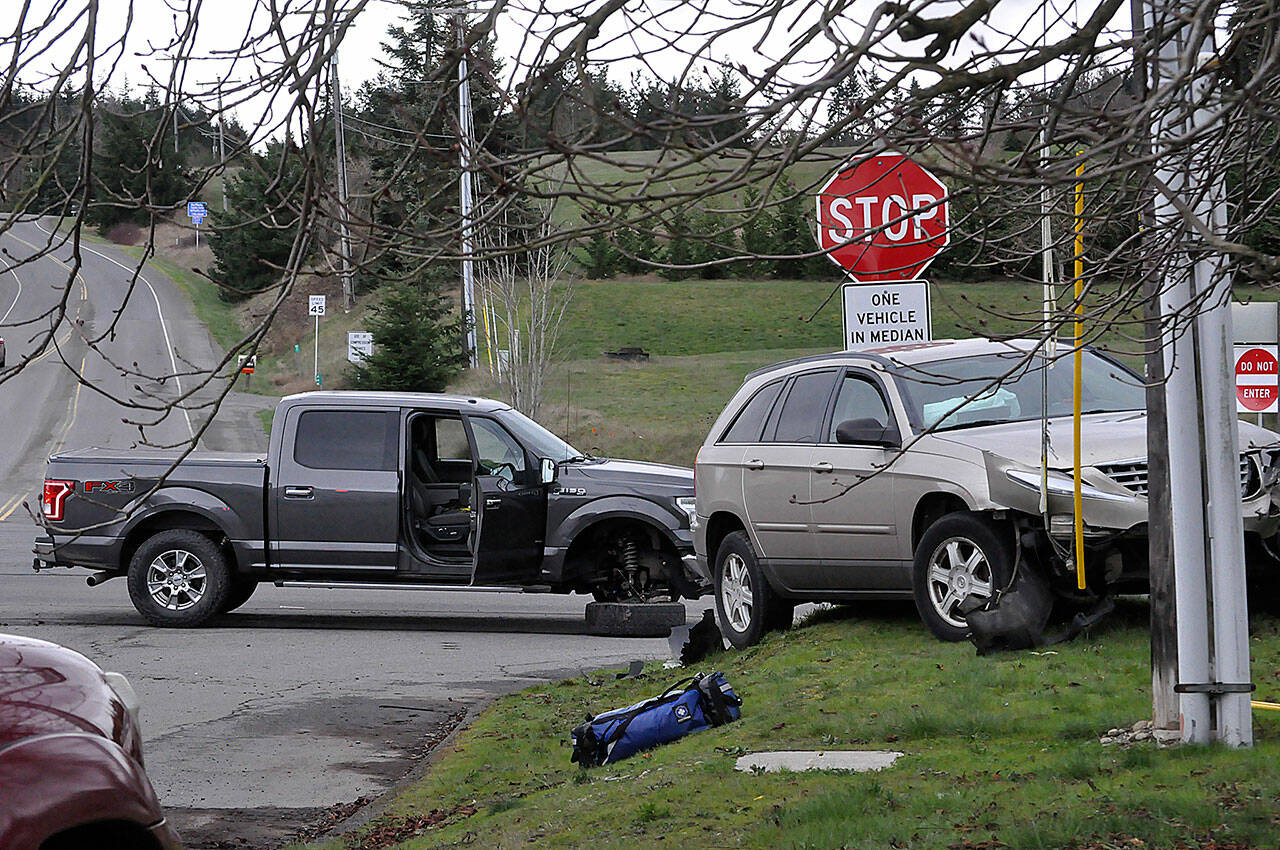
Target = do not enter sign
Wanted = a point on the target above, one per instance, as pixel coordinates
(883, 217)
(1257, 379)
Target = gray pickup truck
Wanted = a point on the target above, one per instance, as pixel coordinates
(377, 491)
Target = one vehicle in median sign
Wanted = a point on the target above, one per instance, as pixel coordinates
(378, 491)
(915, 472)
(71, 770)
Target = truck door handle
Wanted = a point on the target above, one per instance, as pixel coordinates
(755, 464)
(492, 503)
(297, 493)
(822, 466)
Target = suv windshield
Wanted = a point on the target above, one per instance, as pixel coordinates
(995, 388)
(536, 438)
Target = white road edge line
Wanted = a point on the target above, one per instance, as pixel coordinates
(16, 280)
(173, 361)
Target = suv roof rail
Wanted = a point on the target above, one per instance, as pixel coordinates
(817, 358)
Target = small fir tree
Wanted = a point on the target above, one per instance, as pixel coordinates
(417, 345)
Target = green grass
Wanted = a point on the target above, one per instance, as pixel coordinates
(701, 317)
(209, 308)
(997, 749)
(266, 417)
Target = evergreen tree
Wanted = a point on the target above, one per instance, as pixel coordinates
(252, 241)
(636, 244)
(792, 236)
(758, 231)
(680, 246)
(600, 257)
(132, 175)
(417, 345)
(414, 101)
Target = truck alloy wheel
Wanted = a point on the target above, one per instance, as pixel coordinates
(960, 557)
(178, 578)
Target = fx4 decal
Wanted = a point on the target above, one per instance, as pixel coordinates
(125, 486)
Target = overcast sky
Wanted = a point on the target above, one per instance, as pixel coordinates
(659, 37)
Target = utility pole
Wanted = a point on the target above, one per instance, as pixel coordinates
(1208, 545)
(339, 136)
(222, 147)
(466, 143)
(1164, 643)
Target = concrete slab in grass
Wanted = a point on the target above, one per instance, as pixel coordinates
(859, 761)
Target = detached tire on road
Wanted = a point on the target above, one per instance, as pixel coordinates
(961, 555)
(178, 578)
(634, 619)
(746, 605)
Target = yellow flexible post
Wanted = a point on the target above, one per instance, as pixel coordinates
(1078, 364)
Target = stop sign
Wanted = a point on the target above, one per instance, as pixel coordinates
(1257, 377)
(883, 217)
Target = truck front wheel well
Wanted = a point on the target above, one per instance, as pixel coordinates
(620, 558)
(166, 520)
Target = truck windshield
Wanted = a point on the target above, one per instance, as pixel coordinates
(994, 388)
(536, 438)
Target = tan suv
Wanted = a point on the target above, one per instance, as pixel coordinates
(914, 472)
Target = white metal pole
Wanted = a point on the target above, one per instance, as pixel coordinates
(1182, 403)
(1234, 720)
(466, 133)
(315, 361)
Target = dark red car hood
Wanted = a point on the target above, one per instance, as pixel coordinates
(46, 688)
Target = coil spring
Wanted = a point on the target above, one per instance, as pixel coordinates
(630, 555)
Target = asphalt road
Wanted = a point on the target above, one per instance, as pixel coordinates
(301, 700)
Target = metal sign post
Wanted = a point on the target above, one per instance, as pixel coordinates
(315, 306)
(247, 364)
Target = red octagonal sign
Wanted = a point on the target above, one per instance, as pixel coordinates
(883, 217)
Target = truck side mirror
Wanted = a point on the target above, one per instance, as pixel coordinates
(547, 471)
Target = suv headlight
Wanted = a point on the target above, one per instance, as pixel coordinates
(689, 505)
(1060, 485)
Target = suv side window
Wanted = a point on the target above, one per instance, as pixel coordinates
(857, 398)
(348, 439)
(750, 422)
(803, 410)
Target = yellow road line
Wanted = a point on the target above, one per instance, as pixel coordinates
(84, 296)
(75, 406)
(10, 506)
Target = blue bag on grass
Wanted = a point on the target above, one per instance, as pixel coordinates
(689, 705)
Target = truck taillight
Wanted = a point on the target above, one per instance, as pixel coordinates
(55, 496)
